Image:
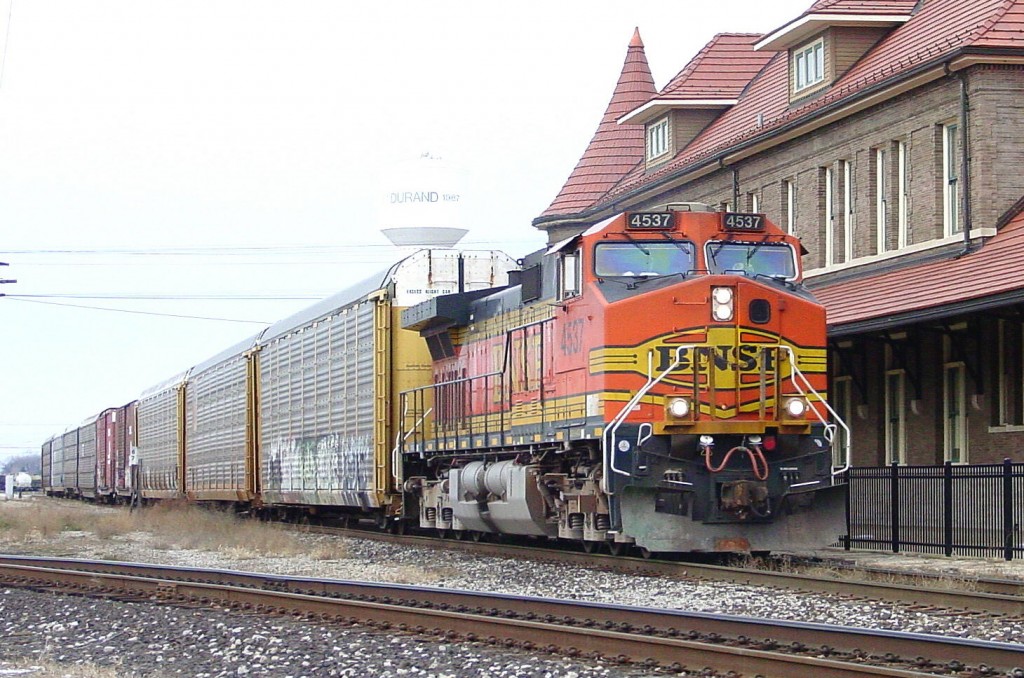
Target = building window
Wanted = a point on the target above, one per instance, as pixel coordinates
(754, 202)
(657, 139)
(902, 199)
(809, 65)
(842, 403)
(1009, 410)
(569, 275)
(847, 211)
(881, 200)
(955, 411)
(725, 206)
(829, 220)
(895, 417)
(789, 203)
(951, 179)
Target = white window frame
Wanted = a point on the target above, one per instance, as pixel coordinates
(847, 210)
(790, 188)
(809, 65)
(950, 180)
(657, 138)
(881, 201)
(830, 236)
(843, 405)
(902, 199)
(954, 421)
(755, 203)
(895, 402)
(570, 278)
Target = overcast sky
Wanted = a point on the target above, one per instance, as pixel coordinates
(130, 131)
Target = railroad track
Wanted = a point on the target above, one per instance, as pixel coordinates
(987, 597)
(670, 639)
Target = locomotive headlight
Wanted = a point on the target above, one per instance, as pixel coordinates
(679, 407)
(795, 408)
(721, 303)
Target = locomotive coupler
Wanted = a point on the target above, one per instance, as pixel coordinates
(745, 499)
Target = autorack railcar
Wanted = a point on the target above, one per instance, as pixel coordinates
(300, 417)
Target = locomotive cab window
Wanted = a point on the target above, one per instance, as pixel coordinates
(775, 260)
(643, 259)
(569, 279)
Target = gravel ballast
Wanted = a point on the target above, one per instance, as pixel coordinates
(75, 629)
(136, 639)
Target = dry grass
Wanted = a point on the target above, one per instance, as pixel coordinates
(825, 570)
(170, 526)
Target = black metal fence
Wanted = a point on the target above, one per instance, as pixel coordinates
(966, 510)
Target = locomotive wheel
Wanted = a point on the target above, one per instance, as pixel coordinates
(590, 546)
(459, 534)
(646, 553)
(477, 535)
(443, 534)
(617, 548)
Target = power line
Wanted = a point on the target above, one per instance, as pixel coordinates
(174, 297)
(242, 250)
(124, 310)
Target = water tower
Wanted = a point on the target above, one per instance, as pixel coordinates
(422, 204)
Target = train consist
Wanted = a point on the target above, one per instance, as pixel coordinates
(657, 381)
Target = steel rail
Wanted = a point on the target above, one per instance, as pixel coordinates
(993, 597)
(641, 635)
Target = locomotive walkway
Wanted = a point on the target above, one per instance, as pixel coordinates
(669, 639)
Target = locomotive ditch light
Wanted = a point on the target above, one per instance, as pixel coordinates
(722, 303)
(795, 408)
(678, 407)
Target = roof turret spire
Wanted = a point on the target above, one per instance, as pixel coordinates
(615, 149)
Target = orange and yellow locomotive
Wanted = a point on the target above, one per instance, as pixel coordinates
(657, 380)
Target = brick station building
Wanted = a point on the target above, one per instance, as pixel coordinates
(889, 136)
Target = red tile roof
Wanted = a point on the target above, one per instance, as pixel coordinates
(937, 30)
(615, 149)
(981, 273)
(720, 70)
(871, 7)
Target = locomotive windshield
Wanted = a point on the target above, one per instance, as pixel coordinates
(775, 260)
(643, 259)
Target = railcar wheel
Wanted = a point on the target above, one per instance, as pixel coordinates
(590, 546)
(443, 534)
(459, 534)
(617, 548)
(477, 535)
(645, 553)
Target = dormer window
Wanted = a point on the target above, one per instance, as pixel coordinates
(808, 65)
(657, 138)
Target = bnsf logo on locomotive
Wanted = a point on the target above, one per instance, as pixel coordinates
(734, 356)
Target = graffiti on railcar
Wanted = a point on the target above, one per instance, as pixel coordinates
(330, 462)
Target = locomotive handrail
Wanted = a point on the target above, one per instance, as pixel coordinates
(802, 383)
(404, 395)
(396, 453)
(609, 434)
